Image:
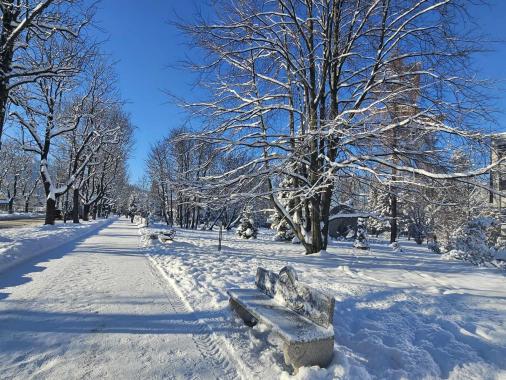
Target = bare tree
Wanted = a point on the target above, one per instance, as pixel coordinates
(304, 86)
(56, 106)
(25, 24)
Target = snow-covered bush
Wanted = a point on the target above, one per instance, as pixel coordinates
(433, 245)
(361, 241)
(282, 228)
(395, 246)
(475, 242)
(247, 229)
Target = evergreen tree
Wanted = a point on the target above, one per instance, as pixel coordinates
(247, 229)
(278, 221)
(361, 241)
(379, 206)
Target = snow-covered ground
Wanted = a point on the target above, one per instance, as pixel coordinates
(406, 315)
(20, 244)
(103, 307)
(98, 309)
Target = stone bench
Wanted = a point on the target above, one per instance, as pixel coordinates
(166, 235)
(300, 315)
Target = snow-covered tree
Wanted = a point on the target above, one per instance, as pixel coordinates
(325, 89)
(277, 219)
(379, 206)
(247, 228)
(75, 107)
(25, 24)
(361, 240)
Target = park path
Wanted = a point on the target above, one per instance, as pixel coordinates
(97, 309)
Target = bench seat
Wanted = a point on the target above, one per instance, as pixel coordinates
(305, 343)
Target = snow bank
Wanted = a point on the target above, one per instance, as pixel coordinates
(411, 316)
(21, 244)
(20, 215)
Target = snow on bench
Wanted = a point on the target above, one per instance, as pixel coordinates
(166, 235)
(300, 315)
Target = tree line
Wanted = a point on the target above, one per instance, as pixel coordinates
(308, 104)
(63, 128)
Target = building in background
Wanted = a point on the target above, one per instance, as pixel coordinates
(498, 174)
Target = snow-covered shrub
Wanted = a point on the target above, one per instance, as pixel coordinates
(433, 246)
(283, 230)
(247, 229)
(395, 246)
(361, 241)
(475, 242)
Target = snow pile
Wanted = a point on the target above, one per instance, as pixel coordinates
(411, 316)
(20, 244)
(500, 255)
(20, 215)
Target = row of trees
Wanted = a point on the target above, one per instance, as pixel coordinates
(60, 108)
(177, 169)
(316, 93)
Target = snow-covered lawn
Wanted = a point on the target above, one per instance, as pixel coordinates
(398, 315)
(20, 244)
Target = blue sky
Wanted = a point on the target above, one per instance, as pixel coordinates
(146, 47)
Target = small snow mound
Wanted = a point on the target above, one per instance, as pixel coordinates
(395, 247)
(345, 269)
(309, 373)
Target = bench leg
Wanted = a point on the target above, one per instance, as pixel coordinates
(243, 313)
(307, 354)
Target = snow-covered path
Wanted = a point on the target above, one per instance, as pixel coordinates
(98, 309)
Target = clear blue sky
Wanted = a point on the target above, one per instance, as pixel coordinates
(145, 46)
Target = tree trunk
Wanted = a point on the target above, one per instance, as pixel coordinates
(86, 212)
(50, 210)
(26, 205)
(75, 207)
(316, 236)
(171, 219)
(163, 205)
(3, 106)
(393, 222)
